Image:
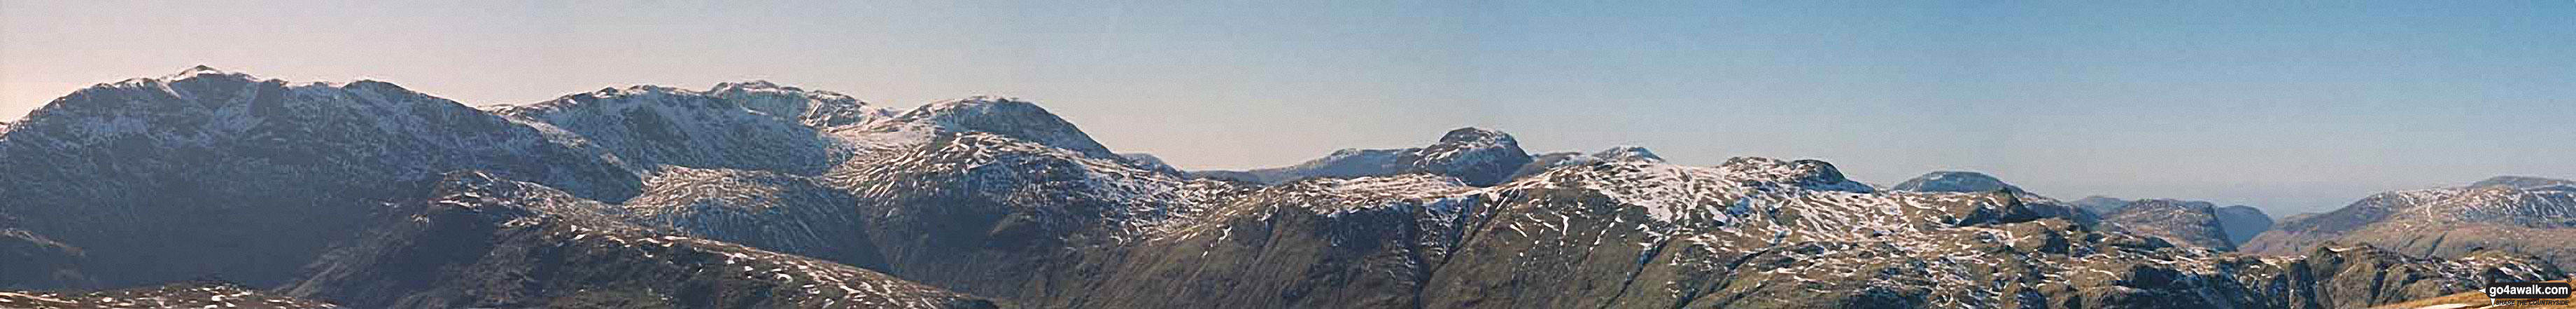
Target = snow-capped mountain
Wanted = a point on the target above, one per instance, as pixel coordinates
(1477, 156)
(650, 197)
(1543, 162)
(2525, 214)
(1009, 117)
(1955, 181)
(812, 108)
(252, 176)
(751, 126)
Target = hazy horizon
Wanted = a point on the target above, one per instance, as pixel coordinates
(2285, 107)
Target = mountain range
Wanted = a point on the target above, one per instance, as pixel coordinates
(756, 195)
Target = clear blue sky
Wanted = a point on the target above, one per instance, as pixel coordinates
(2292, 107)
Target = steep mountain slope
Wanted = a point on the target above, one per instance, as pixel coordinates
(250, 176)
(192, 294)
(1008, 117)
(778, 212)
(476, 240)
(2192, 223)
(750, 126)
(2523, 214)
(1477, 156)
(812, 108)
(985, 213)
(1369, 242)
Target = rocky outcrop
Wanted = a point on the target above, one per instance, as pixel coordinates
(773, 211)
(2191, 223)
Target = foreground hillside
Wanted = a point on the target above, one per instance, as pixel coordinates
(2463, 300)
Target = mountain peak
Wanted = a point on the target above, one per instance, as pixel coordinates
(1955, 181)
(1005, 116)
(1807, 173)
(1628, 153)
(201, 70)
(815, 108)
(1477, 135)
(2522, 182)
(749, 84)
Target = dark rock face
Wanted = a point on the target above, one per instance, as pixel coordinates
(250, 176)
(2190, 223)
(1478, 156)
(2241, 223)
(193, 294)
(2521, 214)
(480, 241)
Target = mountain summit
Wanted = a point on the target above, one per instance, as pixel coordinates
(1477, 156)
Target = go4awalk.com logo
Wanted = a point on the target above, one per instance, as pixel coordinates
(2527, 293)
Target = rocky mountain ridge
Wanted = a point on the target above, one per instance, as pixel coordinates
(2525, 214)
(1478, 156)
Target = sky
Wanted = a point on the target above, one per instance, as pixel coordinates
(2293, 108)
